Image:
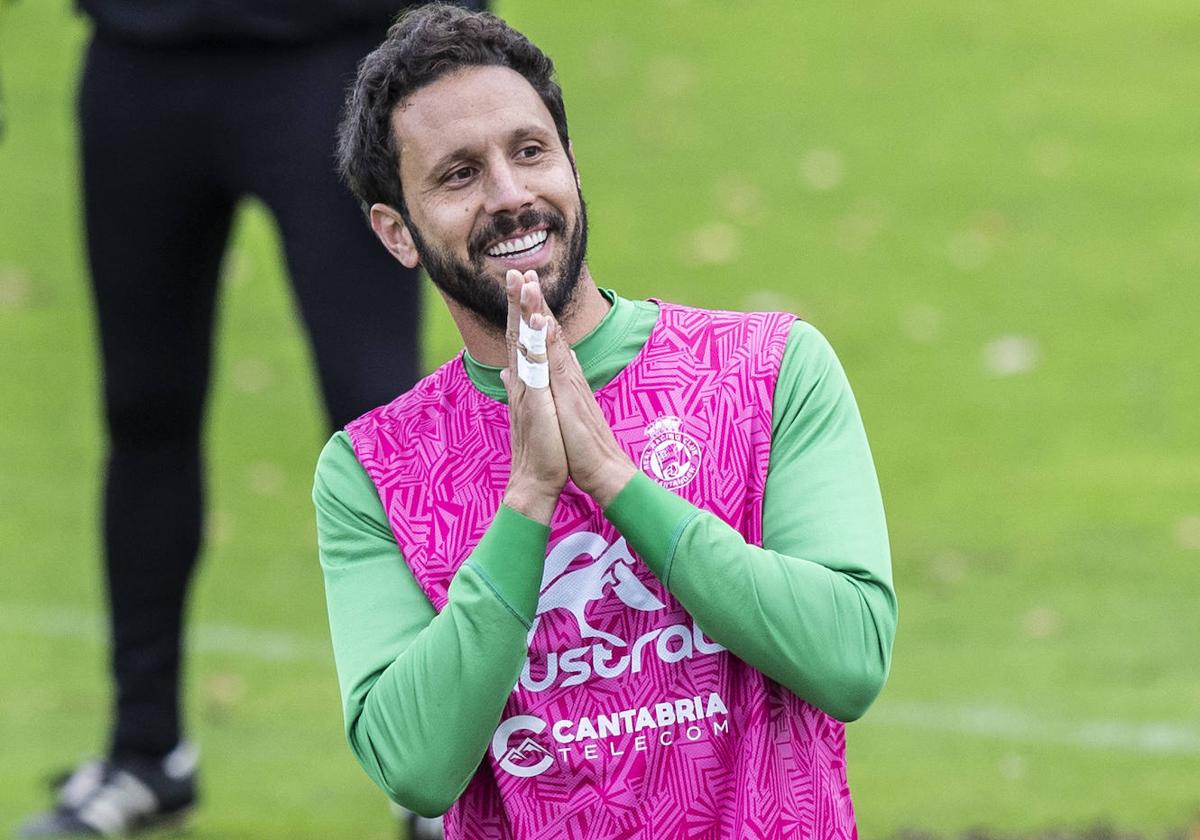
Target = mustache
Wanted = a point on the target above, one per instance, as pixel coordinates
(498, 227)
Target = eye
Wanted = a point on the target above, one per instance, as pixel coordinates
(530, 152)
(460, 175)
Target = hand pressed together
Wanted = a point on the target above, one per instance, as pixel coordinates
(573, 438)
(539, 462)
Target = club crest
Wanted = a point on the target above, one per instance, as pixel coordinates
(671, 457)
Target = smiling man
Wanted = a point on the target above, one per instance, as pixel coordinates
(620, 569)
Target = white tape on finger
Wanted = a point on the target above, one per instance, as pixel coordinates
(533, 340)
(533, 374)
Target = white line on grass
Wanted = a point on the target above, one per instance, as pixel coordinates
(205, 637)
(996, 722)
(1007, 724)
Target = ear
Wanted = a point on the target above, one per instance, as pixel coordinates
(389, 226)
(574, 168)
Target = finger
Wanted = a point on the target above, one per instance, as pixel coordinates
(531, 296)
(531, 357)
(533, 321)
(514, 387)
(565, 370)
(558, 352)
(532, 368)
(533, 341)
(513, 282)
(512, 290)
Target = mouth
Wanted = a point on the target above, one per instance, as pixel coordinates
(516, 251)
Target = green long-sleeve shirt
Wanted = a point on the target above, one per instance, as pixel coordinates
(814, 608)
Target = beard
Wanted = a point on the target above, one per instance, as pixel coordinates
(468, 284)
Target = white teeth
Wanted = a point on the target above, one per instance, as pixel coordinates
(521, 243)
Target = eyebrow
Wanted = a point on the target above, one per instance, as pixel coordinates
(515, 136)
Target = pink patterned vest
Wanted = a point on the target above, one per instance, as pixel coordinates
(627, 721)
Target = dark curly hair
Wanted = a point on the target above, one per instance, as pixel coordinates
(424, 45)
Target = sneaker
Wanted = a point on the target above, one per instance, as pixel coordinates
(415, 827)
(424, 828)
(114, 798)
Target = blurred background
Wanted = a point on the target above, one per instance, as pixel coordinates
(993, 211)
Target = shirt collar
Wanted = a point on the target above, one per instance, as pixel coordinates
(591, 350)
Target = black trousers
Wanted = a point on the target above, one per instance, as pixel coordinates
(172, 139)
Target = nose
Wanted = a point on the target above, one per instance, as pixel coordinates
(506, 190)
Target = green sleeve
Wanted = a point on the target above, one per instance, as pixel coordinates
(814, 608)
(422, 691)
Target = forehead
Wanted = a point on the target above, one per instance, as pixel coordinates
(469, 108)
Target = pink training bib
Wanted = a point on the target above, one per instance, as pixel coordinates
(627, 720)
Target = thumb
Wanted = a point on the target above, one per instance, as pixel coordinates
(510, 383)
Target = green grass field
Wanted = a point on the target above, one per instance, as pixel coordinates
(992, 211)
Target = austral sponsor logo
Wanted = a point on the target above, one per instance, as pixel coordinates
(610, 573)
(520, 753)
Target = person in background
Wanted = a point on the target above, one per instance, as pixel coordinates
(186, 108)
(620, 569)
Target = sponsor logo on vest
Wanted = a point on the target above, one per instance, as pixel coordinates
(611, 572)
(681, 720)
(573, 591)
(528, 758)
(671, 457)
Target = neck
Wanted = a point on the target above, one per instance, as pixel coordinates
(487, 344)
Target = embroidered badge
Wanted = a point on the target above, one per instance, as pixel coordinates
(671, 457)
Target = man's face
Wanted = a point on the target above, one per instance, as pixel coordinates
(488, 188)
